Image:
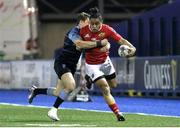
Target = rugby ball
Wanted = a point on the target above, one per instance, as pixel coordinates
(123, 50)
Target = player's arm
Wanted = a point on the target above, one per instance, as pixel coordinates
(120, 40)
(74, 35)
(123, 41)
(80, 44)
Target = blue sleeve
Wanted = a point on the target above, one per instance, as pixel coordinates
(74, 34)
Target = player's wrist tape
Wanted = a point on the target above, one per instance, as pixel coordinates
(98, 44)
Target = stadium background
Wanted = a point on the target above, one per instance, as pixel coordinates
(31, 31)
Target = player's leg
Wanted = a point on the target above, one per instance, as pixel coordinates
(65, 74)
(68, 83)
(49, 91)
(111, 80)
(103, 85)
(34, 91)
(52, 113)
(97, 72)
(60, 69)
(112, 83)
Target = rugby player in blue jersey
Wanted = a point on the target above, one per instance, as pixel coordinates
(65, 65)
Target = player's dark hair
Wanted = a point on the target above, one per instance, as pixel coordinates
(82, 16)
(95, 13)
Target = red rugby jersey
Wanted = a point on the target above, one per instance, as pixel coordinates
(94, 56)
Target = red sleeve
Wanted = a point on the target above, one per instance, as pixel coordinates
(113, 34)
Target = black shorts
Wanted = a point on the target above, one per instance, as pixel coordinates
(60, 68)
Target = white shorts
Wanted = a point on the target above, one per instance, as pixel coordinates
(97, 71)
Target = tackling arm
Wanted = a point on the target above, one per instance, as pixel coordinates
(74, 35)
(80, 44)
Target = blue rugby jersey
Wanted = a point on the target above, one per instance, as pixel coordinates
(69, 54)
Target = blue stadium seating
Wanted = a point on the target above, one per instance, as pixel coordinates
(154, 33)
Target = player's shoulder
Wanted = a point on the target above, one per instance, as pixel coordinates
(75, 28)
(106, 27)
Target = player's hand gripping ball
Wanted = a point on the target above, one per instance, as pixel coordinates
(124, 50)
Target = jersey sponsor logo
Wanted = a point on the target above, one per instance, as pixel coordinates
(87, 36)
(102, 35)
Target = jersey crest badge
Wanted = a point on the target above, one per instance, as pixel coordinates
(101, 35)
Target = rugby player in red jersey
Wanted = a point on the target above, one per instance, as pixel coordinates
(98, 65)
(65, 66)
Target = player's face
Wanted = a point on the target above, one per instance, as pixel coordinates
(95, 24)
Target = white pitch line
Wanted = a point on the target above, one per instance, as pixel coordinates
(61, 125)
(145, 114)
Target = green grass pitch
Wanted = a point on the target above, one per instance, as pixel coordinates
(37, 117)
